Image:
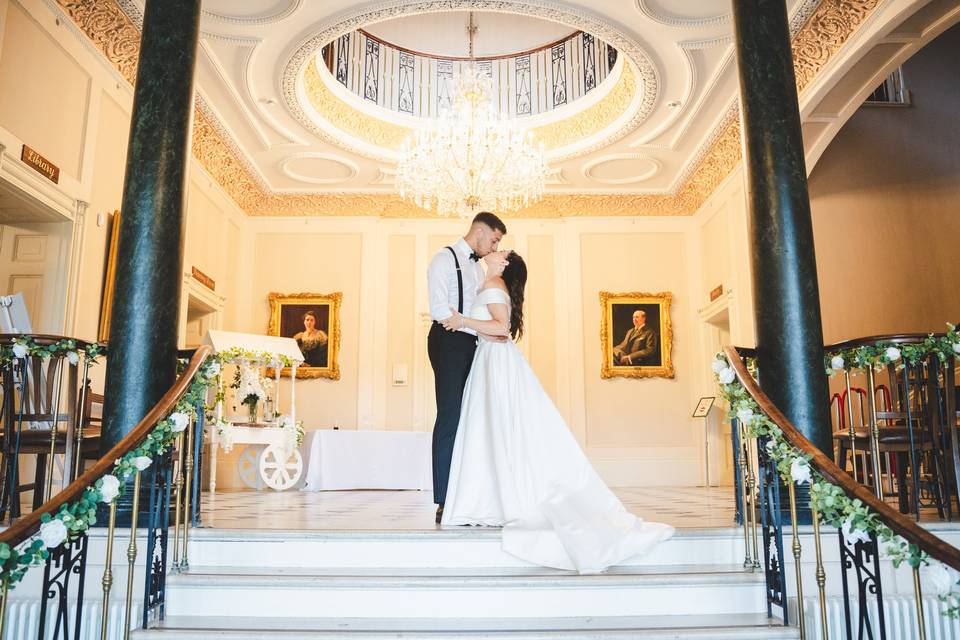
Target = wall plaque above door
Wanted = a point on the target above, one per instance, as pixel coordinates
(40, 164)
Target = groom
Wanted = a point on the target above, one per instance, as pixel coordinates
(453, 278)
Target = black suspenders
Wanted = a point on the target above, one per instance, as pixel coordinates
(459, 280)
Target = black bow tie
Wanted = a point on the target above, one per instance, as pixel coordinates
(474, 257)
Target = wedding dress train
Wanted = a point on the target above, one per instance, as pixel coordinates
(516, 465)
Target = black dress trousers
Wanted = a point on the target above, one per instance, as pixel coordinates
(451, 355)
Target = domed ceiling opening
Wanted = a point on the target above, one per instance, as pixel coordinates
(535, 66)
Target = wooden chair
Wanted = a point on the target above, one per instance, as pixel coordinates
(39, 417)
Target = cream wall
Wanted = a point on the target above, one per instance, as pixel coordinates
(884, 198)
(636, 431)
(62, 98)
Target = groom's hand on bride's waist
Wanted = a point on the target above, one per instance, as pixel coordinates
(487, 336)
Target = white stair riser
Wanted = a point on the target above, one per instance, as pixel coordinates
(424, 552)
(733, 633)
(659, 599)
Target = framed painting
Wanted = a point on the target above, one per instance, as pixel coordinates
(106, 299)
(313, 320)
(636, 335)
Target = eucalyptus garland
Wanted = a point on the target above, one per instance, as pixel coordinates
(834, 507)
(76, 517)
(880, 354)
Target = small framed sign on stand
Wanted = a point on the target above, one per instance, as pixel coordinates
(703, 407)
(702, 411)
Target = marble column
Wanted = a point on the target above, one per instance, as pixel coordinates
(786, 295)
(142, 358)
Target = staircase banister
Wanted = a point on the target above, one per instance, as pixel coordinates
(29, 524)
(898, 523)
(891, 338)
(44, 339)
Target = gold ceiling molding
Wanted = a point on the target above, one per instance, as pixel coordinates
(815, 44)
(346, 118)
(110, 30)
(827, 30)
(382, 133)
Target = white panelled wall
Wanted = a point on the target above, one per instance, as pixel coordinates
(637, 431)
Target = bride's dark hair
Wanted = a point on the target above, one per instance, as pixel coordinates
(515, 277)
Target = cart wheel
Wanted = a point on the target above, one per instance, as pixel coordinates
(280, 474)
(248, 466)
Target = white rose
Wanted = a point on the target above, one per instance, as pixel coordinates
(836, 363)
(893, 354)
(142, 462)
(956, 348)
(718, 365)
(53, 533)
(73, 357)
(726, 376)
(853, 536)
(180, 421)
(940, 577)
(745, 415)
(109, 488)
(800, 471)
(20, 350)
(213, 369)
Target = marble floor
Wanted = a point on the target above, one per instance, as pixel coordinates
(682, 507)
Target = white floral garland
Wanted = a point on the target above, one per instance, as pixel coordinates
(834, 507)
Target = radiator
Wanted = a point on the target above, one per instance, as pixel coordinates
(23, 620)
(900, 615)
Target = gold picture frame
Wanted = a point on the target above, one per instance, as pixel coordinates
(106, 300)
(630, 324)
(288, 312)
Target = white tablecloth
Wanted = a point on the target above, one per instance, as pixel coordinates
(337, 459)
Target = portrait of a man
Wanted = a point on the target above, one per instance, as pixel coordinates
(639, 347)
(636, 335)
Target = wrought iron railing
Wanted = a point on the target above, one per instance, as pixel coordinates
(165, 446)
(774, 460)
(421, 84)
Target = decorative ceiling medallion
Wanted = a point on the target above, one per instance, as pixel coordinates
(371, 134)
(322, 164)
(305, 55)
(118, 39)
(641, 168)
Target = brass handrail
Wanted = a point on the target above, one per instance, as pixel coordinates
(30, 524)
(904, 527)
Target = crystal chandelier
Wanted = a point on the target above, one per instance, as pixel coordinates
(472, 158)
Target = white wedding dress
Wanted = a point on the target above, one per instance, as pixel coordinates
(516, 465)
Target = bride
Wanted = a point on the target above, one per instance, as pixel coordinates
(515, 462)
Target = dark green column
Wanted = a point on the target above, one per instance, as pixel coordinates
(786, 296)
(141, 362)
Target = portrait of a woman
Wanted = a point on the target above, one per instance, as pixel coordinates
(312, 341)
(313, 321)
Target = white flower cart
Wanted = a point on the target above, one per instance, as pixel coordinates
(272, 456)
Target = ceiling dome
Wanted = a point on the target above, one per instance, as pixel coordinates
(444, 35)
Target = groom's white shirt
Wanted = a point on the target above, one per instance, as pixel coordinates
(442, 281)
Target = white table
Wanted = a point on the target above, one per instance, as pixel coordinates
(340, 459)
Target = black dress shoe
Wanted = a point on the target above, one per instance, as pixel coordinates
(439, 513)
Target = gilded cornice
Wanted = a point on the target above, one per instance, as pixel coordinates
(814, 45)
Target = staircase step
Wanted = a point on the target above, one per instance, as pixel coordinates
(503, 592)
(456, 547)
(698, 627)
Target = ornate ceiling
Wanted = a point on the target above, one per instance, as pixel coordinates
(658, 141)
